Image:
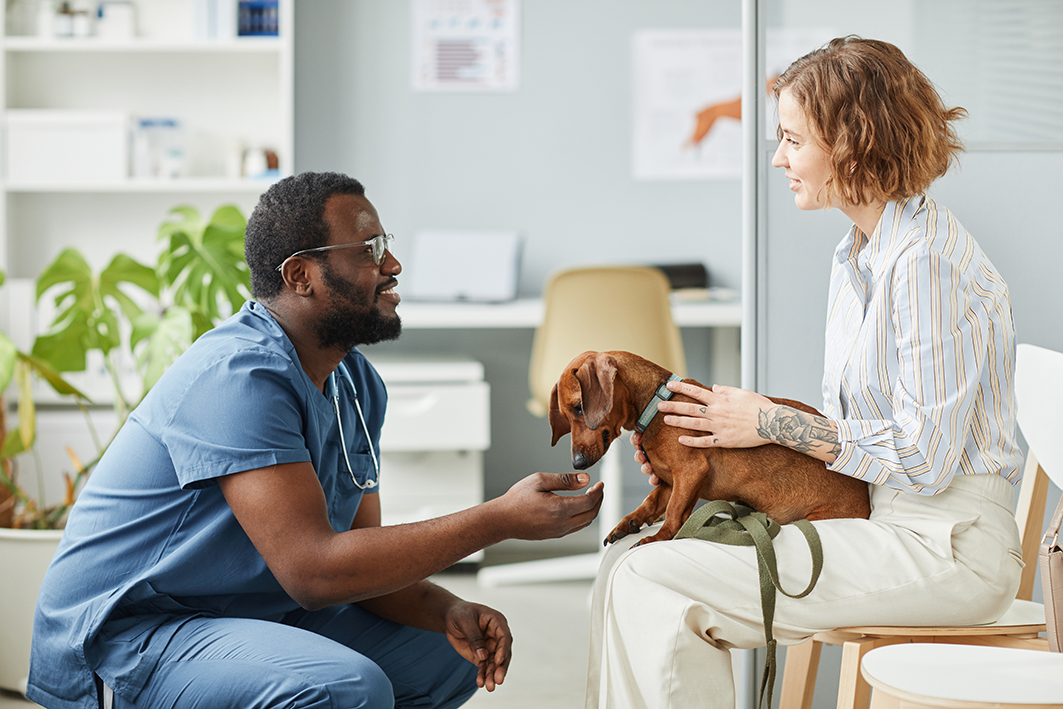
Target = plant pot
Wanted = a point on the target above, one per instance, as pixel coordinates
(24, 557)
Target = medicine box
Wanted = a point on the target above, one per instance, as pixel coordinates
(53, 145)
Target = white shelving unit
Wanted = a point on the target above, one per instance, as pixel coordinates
(226, 93)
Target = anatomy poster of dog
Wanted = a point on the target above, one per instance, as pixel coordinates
(687, 88)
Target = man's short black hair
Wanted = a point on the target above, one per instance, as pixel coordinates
(290, 217)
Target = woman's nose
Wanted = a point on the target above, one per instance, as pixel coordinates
(779, 158)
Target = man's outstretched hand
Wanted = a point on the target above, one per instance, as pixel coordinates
(535, 511)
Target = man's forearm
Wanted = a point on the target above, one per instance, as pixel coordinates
(421, 605)
(373, 562)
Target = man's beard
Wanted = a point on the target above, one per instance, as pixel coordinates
(353, 318)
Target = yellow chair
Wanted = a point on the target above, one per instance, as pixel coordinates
(1039, 388)
(602, 308)
(594, 308)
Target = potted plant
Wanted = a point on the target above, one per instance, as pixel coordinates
(126, 312)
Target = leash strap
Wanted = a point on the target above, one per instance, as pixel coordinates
(739, 525)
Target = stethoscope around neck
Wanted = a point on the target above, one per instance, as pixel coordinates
(346, 374)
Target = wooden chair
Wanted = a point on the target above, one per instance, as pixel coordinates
(935, 676)
(1039, 388)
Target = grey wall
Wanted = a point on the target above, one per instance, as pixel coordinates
(551, 160)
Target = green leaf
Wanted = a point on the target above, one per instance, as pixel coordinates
(69, 267)
(168, 338)
(51, 375)
(204, 263)
(90, 307)
(65, 350)
(8, 355)
(12, 445)
(27, 409)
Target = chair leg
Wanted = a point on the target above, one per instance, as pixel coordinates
(882, 700)
(853, 690)
(799, 675)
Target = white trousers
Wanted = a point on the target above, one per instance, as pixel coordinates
(665, 616)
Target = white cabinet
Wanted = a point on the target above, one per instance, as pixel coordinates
(435, 432)
(227, 96)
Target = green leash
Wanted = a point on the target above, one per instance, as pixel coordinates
(739, 525)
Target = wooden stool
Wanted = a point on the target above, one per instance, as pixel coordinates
(946, 676)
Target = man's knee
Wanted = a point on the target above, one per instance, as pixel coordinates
(367, 686)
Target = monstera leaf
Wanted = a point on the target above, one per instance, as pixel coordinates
(165, 339)
(203, 263)
(90, 306)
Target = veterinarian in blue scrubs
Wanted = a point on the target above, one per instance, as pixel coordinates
(918, 402)
(227, 550)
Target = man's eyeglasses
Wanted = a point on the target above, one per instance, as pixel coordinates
(379, 245)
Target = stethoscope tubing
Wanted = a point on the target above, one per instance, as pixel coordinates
(346, 374)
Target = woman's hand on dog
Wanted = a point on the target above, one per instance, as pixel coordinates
(642, 460)
(534, 511)
(723, 416)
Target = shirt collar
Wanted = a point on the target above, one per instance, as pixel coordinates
(868, 254)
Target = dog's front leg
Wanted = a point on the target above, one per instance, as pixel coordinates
(648, 512)
(680, 505)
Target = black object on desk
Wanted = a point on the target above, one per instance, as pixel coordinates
(685, 275)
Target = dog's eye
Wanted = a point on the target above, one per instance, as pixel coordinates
(578, 409)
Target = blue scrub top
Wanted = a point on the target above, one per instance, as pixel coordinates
(151, 535)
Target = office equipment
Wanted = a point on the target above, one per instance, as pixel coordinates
(439, 267)
(54, 145)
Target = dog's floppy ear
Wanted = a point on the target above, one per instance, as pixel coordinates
(559, 424)
(596, 376)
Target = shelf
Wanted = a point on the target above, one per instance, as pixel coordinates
(141, 186)
(73, 44)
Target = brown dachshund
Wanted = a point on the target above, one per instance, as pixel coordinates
(600, 393)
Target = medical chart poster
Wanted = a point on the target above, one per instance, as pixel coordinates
(465, 45)
(679, 74)
(687, 87)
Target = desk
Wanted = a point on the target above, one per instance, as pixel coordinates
(724, 316)
(528, 312)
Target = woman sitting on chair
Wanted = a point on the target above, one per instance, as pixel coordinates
(918, 398)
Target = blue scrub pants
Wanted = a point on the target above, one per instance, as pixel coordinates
(340, 658)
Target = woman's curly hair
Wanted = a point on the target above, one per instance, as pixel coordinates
(882, 121)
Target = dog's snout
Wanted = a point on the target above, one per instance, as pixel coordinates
(581, 461)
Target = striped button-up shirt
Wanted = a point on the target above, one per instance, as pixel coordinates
(920, 354)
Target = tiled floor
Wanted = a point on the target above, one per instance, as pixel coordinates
(550, 631)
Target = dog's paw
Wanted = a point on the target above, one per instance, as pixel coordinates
(626, 527)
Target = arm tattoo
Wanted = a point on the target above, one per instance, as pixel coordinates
(796, 429)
